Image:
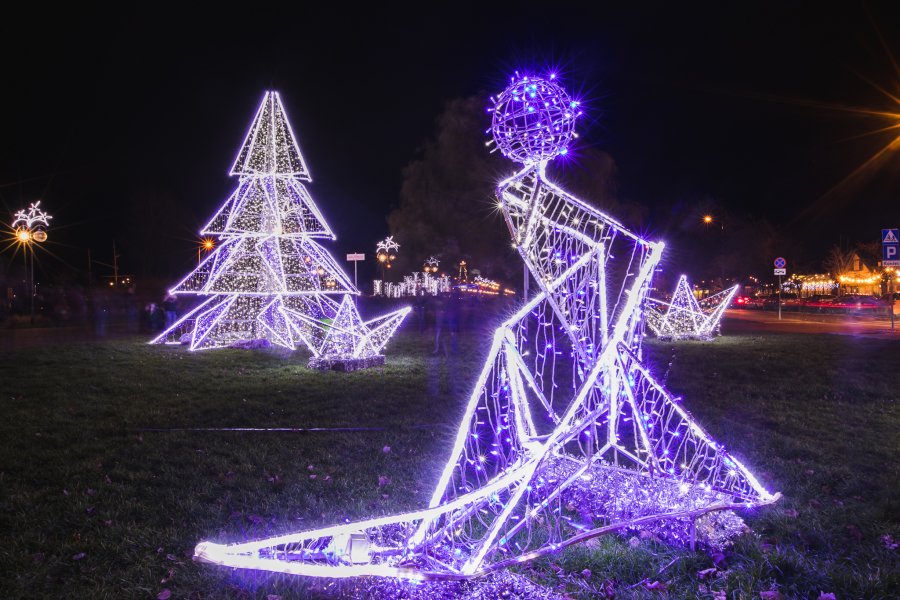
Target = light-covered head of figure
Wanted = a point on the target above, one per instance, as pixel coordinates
(534, 119)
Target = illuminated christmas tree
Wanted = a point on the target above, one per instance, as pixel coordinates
(268, 278)
(566, 434)
(684, 317)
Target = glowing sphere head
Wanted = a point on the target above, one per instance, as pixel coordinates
(534, 120)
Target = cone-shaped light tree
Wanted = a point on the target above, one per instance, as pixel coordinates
(268, 278)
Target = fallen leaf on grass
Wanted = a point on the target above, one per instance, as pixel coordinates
(815, 503)
(791, 513)
(719, 595)
(310, 468)
(826, 596)
(771, 595)
(717, 558)
(383, 480)
(386, 449)
(79, 556)
(888, 542)
(586, 573)
(634, 542)
(706, 572)
(313, 476)
(171, 557)
(37, 557)
(657, 585)
(168, 577)
(164, 595)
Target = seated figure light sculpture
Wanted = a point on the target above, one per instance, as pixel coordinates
(683, 317)
(268, 278)
(566, 435)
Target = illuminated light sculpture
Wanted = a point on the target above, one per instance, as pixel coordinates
(267, 278)
(566, 435)
(683, 317)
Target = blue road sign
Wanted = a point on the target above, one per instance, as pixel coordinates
(780, 263)
(890, 247)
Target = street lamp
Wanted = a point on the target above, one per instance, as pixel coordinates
(707, 219)
(29, 227)
(386, 252)
(205, 244)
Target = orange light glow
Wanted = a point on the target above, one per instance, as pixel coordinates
(707, 219)
(23, 235)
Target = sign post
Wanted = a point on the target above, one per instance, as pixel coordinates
(781, 271)
(890, 257)
(355, 258)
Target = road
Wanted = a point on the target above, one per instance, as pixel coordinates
(748, 321)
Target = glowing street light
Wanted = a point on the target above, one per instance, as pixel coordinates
(431, 265)
(386, 252)
(707, 219)
(29, 227)
(205, 244)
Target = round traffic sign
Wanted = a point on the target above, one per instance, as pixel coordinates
(780, 263)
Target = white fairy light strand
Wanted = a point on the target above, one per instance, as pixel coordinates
(566, 435)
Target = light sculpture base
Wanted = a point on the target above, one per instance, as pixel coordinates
(345, 365)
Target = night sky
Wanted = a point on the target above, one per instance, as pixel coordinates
(119, 121)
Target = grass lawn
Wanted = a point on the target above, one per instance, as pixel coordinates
(103, 492)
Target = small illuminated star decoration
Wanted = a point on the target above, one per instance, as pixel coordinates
(431, 265)
(387, 245)
(267, 278)
(34, 216)
(566, 435)
(683, 317)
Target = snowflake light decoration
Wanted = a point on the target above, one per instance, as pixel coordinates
(683, 317)
(34, 217)
(268, 278)
(566, 435)
(387, 245)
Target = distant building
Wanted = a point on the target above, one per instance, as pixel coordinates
(860, 278)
